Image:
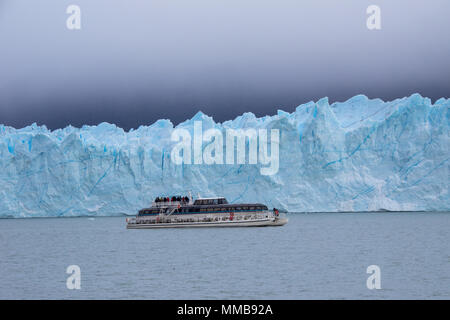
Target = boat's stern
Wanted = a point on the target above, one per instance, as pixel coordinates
(131, 222)
(279, 221)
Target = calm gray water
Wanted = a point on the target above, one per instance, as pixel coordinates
(315, 256)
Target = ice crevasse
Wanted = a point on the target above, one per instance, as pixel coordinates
(358, 155)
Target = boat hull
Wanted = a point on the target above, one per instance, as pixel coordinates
(221, 224)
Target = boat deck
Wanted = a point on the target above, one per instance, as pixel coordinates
(233, 223)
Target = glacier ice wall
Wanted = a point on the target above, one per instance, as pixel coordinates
(356, 155)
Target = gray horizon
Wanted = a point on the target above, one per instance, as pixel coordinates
(134, 62)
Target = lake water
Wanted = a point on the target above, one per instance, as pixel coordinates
(314, 256)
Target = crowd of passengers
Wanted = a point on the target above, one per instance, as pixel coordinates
(174, 198)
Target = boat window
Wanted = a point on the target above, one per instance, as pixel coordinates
(244, 208)
(252, 208)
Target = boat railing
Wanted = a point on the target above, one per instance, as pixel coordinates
(131, 220)
(204, 219)
(171, 211)
(169, 203)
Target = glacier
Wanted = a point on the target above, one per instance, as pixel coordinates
(359, 155)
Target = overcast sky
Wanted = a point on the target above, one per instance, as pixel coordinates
(136, 61)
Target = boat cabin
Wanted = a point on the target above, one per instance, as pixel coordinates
(210, 201)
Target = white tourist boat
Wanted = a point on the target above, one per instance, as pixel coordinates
(181, 212)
